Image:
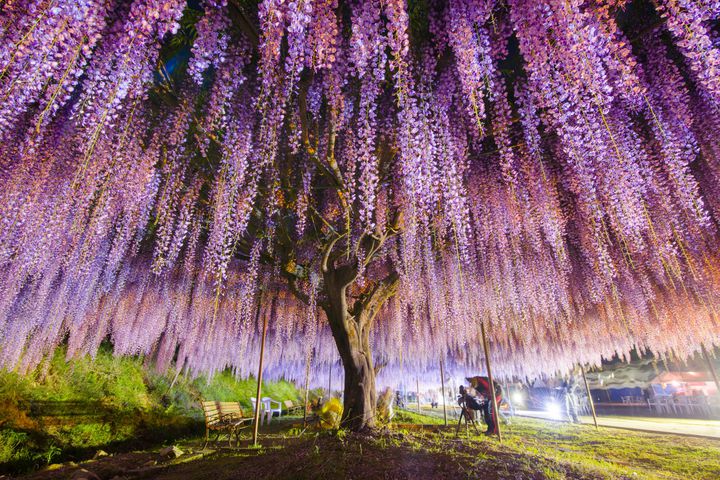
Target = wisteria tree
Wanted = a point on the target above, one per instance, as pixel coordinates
(376, 178)
(321, 226)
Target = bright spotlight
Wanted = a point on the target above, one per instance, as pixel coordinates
(554, 409)
(518, 398)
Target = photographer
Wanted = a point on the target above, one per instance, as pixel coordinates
(482, 386)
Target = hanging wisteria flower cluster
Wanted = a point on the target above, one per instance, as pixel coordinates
(174, 174)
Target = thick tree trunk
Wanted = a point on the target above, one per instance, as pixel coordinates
(354, 348)
(360, 397)
(351, 331)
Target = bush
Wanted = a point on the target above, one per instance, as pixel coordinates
(225, 387)
(67, 410)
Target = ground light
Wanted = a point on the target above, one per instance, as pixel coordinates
(554, 409)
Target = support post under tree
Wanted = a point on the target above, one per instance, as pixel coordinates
(260, 372)
(486, 348)
(177, 375)
(713, 372)
(417, 387)
(589, 395)
(307, 387)
(442, 388)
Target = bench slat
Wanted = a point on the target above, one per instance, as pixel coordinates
(223, 415)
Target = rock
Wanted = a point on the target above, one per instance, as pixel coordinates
(83, 474)
(100, 454)
(170, 452)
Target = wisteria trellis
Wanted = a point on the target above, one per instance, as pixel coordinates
(556, 172)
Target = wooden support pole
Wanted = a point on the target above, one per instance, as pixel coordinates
(496, 412)
(329, 381)
(589, 395)
(307, 387)
(177, 374)
(260, 372)
(417, 386)
(713, 372)
(442, 387)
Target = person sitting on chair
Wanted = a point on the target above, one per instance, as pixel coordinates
(399, 399)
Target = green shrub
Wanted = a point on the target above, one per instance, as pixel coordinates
(13, 445)
(123, 404)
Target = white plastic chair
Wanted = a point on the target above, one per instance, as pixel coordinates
(264, 413)
(699, 405)
(664, 404)
(270, 409)
(682, 405)
(713, 402)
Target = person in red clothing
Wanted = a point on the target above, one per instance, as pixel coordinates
(482, 386)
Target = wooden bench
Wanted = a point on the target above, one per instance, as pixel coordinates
(291, 408)
(224, 417)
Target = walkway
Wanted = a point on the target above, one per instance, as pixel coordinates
(678, 426)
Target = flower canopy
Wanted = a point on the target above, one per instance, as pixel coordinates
(170, 171)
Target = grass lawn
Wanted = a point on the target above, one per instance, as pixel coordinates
(422, 448)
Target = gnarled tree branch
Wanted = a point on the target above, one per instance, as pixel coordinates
(366, 306)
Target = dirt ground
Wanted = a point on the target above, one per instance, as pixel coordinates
(404, 452)
(389, 456)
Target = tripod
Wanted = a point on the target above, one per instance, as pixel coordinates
(467, 415)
